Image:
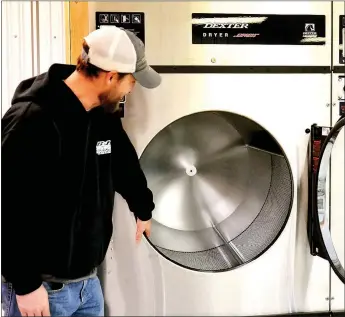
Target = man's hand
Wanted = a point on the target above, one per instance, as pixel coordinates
(34, 304)
(142, 226)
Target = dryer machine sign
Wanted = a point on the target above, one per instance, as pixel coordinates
(309, 31)
(270, 29)
(226, 25)
(310, 27)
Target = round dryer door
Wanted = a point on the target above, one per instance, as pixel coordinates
(322, 235)
(223, 190)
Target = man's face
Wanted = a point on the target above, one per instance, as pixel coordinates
(115, 89)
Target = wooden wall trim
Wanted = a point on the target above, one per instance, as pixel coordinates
(77, 26)
(67, 32)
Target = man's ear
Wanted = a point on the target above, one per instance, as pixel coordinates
(111, 76)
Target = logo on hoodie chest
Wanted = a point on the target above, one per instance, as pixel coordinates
(103, 147)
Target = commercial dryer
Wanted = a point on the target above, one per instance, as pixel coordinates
(222, 142)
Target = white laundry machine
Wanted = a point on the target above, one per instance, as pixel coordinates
(223, 144)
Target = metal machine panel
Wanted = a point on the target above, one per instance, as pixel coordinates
(337, 176)
(284, 279)
(168, 26)
(285, 105)
(131, 275)
(338, 33)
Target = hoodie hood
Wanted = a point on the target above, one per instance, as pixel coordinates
(43, 87)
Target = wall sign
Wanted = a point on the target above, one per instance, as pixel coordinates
(132, 21)
(268, 29)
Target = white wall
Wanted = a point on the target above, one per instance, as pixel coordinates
(33, 37)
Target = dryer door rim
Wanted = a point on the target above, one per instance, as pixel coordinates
(320, 186)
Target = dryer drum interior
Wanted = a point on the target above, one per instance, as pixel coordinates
(223, 190)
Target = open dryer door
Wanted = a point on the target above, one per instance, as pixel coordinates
(321, 244)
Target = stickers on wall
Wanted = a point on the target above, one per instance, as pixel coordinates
(132, 21)
(268, 29)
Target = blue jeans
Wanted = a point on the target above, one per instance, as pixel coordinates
(83, 298)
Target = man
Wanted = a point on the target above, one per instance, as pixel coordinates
(64, 155)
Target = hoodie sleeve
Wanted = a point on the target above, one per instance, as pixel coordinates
(129, 179)
(22, 248)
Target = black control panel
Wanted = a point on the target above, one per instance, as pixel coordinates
(342, 108)
(318, 135)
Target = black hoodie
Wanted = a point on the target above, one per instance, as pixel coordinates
(61, 166)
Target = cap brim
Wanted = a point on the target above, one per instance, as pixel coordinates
(148, 78)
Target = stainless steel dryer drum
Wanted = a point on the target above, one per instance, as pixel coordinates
(223, 190)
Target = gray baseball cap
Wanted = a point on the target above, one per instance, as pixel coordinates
(116, 49)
